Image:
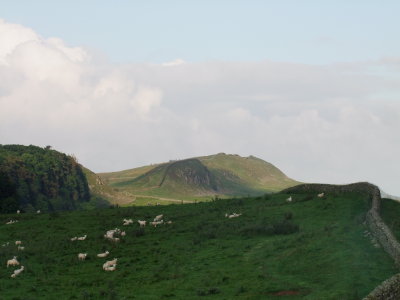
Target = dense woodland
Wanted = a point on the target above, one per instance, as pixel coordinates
(34, 178)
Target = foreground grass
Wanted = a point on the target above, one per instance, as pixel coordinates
(259, 255)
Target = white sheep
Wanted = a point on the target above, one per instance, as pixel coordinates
(157, 223)
(116, 240)
(38, 211)
(105, 254)
(110, 268)
(18, 211)
(18, 242)
(321, 195)
(11, 222)
(142, 223)
(127, 222)
(110, 263)
(17, 272)
(20, 248)
(123, 233)
(158, 218)
(82, 256)
(289, 199)
(74, 238)
(82, 238)
(234, 215)
(169, 222)
(12, 262)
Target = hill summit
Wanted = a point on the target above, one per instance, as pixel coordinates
(219, 174)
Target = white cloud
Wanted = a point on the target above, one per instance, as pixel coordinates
(335, 123)
(175, 62)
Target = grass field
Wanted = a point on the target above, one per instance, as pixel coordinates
(310, 248)
(390, 212)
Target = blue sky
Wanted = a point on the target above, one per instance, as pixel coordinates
(313, 32)
(310, 86)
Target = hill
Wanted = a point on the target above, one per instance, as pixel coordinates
(310, 248)
(34, 178)
(201, 177)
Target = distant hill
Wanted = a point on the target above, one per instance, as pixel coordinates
(215, 175)
(34, 178)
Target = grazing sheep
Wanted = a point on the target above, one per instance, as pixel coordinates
(74, 239)
(142, 223)
(11, 222)
(38, 211)
(226, 215)
(234, 215)
(17, 272)
(158, 218)
(110, 263)
(127, 222)
(156, 223)
(116, 240)
(105, 254)
(5, 244)
(18, 211)
(123, 233)
(289, 199)
(82, 238)
(12, 262)
(20, 248)
(321, 195)
(82, 256)
(111, 268)
(169, 222)
(18, 242)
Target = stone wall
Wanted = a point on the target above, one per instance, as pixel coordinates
(389, 289)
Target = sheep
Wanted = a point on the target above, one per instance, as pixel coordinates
(321, 195)
(82, 256)
(111, 268)
(156, 223)
(234, 215)
(12, 262)
(5, 244)
(142, 223)
(105, 254)
(74, 238)
(110, 233)
(17, 272)
(18, 211)
(115, 240)
(127, 222)
(20, 248)
(18, 242)
(123, 233)
(158, 218)
(169, 222)
(38, 211)
(11, 222)
(110, 263)
(82, 238)
(289, 199)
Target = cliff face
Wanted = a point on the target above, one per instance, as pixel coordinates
(40, 178)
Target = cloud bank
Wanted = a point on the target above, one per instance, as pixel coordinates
(318, 123)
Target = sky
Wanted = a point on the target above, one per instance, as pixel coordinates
(310, 86)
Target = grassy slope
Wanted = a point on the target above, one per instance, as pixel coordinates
(235, 175)
(200, 253)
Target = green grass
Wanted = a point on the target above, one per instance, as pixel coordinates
(202, 254)
(390, 212)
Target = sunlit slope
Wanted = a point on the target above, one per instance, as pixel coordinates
(220, 174)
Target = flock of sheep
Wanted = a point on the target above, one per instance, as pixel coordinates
(110, 265)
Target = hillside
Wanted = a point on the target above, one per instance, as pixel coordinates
(202, 177)
(34, 178)
(310, 248)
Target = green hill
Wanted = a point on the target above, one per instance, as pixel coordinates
(310, 248)
(34, 178)
(201, 177)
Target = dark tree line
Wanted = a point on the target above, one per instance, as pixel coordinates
(40, 178)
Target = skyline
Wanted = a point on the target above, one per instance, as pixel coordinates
(322, 106)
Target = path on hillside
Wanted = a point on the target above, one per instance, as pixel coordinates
(163, 198)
